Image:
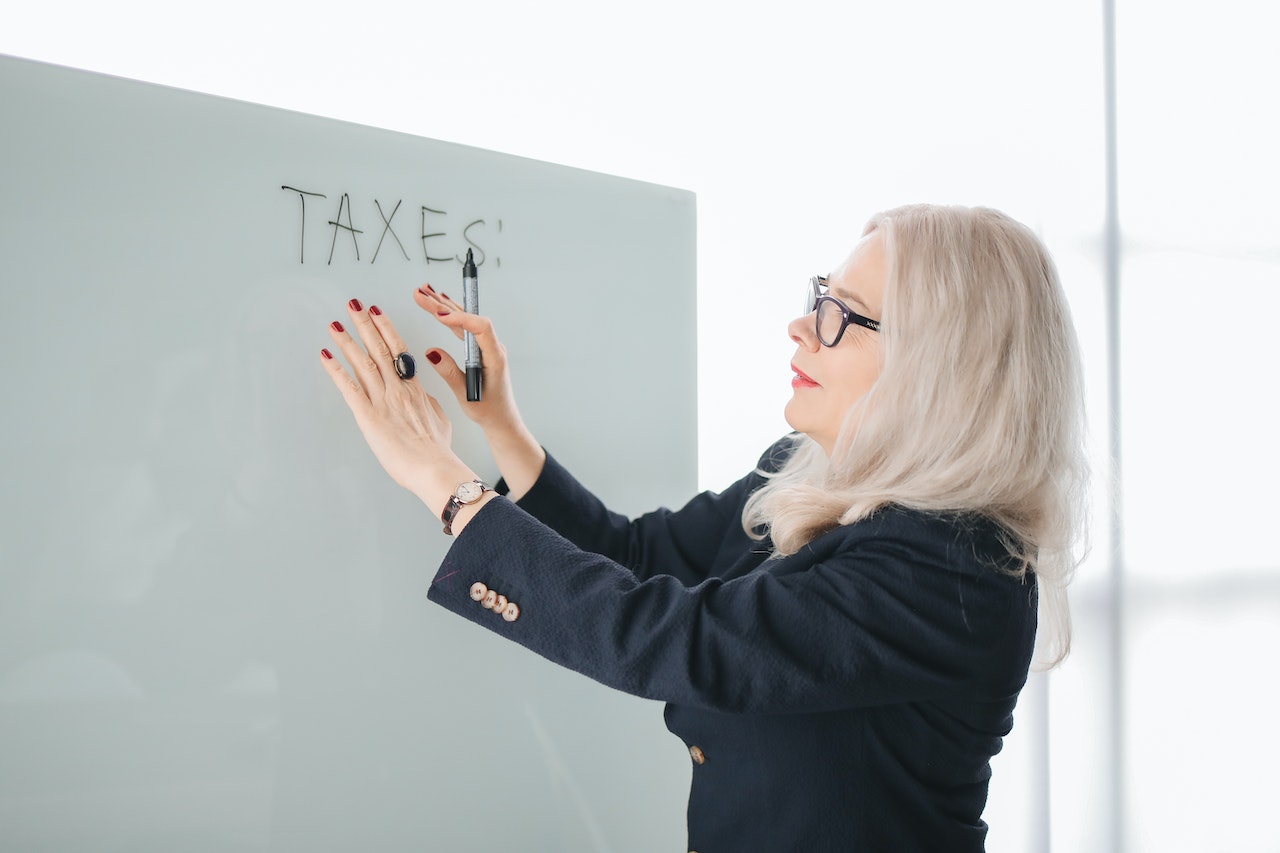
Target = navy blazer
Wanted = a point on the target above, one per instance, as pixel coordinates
(847, 697)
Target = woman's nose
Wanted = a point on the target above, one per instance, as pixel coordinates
(802, 331)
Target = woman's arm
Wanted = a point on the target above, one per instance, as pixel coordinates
(897, 608)
(683, 543)
(408, 432)
(518, 454)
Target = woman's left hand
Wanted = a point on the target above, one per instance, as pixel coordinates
(404, 425)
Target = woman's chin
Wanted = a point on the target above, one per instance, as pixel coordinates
(795, 419)
(789, 414)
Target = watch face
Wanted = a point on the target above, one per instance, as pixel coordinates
(468, 492)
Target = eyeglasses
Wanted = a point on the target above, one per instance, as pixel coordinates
(833, 316)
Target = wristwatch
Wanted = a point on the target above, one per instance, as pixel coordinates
(466, 493)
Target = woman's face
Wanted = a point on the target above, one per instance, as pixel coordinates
(827, 381)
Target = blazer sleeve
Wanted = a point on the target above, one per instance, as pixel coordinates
(869, 614)
(682, 543)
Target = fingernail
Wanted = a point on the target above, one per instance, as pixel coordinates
(445, 295)
(442, 313)
(375, 310)
(326, 353)
(433, 357)
(426, 288)
(354, 305)
(426, 291)
(337, 327)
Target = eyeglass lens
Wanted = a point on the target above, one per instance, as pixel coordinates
(830, 320)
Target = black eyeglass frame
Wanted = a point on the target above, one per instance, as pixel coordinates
(816, 297)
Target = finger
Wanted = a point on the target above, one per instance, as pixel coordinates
(379, 349)
(429, 299)
(390, 336)
(449, 371)
(495, 355)
(452, 305)
(429, 292)
(365, 370)
(351, 390)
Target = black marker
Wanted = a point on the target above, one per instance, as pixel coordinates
(471, 304)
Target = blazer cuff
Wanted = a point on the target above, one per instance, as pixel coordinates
(484, 552)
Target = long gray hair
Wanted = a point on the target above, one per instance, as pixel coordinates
(978, 408)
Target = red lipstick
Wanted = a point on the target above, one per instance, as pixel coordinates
(802, 380)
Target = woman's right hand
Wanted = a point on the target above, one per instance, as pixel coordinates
(496, 410)
(517, 452)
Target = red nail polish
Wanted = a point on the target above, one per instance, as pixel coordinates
(445, 295)
(354, 305)
(426, 288)
(326, 353)
(433, 357)
(337, 327)
(375, 310)
(426, 291)
(442, 313)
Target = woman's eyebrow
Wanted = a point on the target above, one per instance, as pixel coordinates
(850, 296)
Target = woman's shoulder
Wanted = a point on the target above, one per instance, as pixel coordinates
(967, 542)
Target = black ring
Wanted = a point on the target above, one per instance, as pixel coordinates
(405, 367)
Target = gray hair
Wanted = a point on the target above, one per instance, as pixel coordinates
(978, 408)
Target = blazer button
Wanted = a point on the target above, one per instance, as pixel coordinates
(697, 755)
(500, 605)
(478, 591)
(490, 599)
(512, 611)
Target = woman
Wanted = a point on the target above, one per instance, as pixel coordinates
(841, 635)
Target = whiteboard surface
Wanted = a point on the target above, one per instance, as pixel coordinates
(214, 632)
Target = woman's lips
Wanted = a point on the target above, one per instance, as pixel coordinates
(801, 380)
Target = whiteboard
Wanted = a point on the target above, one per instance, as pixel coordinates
(214, 631)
